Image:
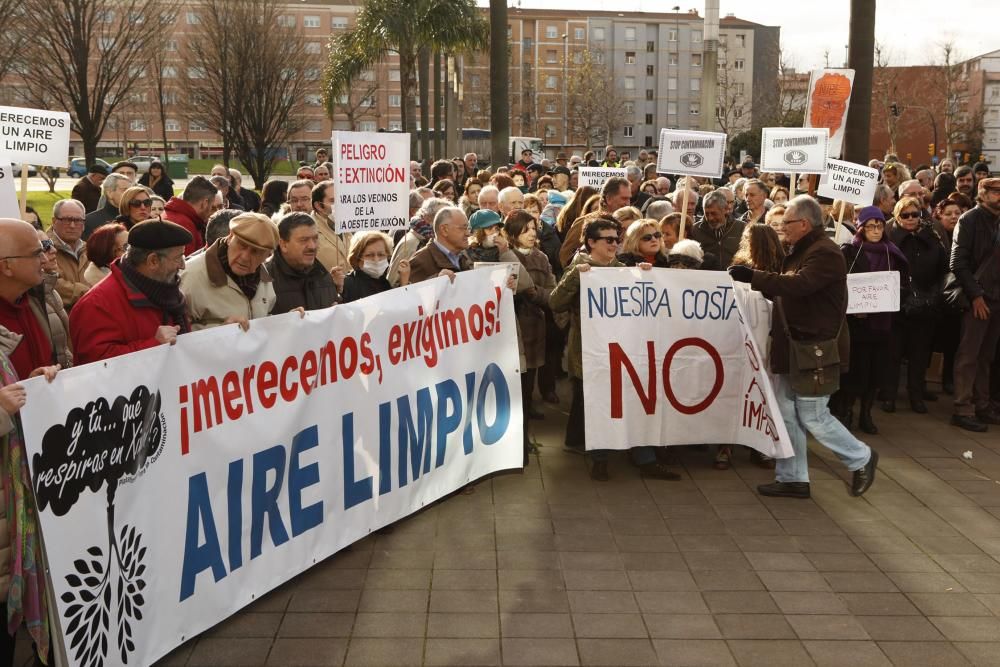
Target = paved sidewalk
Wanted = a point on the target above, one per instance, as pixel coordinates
(549, 568)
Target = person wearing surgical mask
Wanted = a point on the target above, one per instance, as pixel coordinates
(369, 258)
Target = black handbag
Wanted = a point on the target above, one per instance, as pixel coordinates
(922, 304)
(813, 366)
(953, 295)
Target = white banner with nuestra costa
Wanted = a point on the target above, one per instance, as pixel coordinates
(674, 357)
(371, 172)
(794, 150)
(178, 484)
(851, 182)
(596, 177)
(873, 292)
(35, 136)
(9, 207)
(691, 153)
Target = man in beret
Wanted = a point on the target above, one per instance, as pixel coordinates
(560, 178)
(140, 304)
(127, 169)
(87, 190)
(228, 284)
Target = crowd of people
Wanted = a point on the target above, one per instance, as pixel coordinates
(127, 264)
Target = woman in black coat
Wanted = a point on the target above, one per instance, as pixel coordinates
(156, 179)
(369, 257)
(920, 304)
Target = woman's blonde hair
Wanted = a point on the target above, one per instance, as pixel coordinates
(627, 214)
(361, 241)
(635, 232)
(905, 203)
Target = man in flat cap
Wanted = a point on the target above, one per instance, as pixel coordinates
(140, 305)
(228, 283)
(87, 190)
(126, 168)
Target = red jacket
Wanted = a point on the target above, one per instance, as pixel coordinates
(113, 319)
(179, 211)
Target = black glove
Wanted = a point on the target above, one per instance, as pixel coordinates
(740, 273)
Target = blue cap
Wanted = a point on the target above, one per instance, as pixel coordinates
(484, 219)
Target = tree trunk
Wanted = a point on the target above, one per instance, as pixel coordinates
(438, 153)
(423, 67)
(860, 58)
(499, 105)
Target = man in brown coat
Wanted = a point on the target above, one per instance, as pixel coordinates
(443, 255)
(68, 218)
(87, 190)
(811, 291)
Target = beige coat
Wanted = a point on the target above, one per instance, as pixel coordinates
(71, 284)
(333, 247)
(54, 320)
(94, 274)
(212, 296)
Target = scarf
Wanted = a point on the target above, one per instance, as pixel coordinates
(248, 284)
(35, 348)
(26, 599)
(165, 296)
(421, 227)
(478, 253)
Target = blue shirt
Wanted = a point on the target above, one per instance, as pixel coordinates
(452, 257)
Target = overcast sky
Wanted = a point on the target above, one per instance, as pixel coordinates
(910, 29)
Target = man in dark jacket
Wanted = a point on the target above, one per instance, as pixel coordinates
(718, 234)
(443, 255)
(113, 187)
(975, 261)
(811, 291)
(87, 190)
(299, 280)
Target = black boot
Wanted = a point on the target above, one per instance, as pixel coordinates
(865, 422)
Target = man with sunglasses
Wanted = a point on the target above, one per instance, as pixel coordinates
(71, 252)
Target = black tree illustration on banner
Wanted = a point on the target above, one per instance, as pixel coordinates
(97, 444)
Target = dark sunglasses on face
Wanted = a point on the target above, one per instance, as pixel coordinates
(908, 216)
(136, 203)
(650, 237)
(610, 240)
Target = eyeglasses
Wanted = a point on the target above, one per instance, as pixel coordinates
(610, 240)
(875, 226)
(650, 237)
(792, 222)
(35, 255)
(71, 221)
(136, 203)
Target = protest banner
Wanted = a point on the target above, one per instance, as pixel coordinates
(828, 98)
(854, 183)
(35, 136)
(176, 485)
(680, 332)
(691, 153)
(873, 292)
(794, 150)
(371, 173)
(595, 177)
(8, 191)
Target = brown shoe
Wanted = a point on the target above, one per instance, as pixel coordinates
(723, 458)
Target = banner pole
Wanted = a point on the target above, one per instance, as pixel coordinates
(24, 191)
(840, 221)
(792, 186)
(684, 210)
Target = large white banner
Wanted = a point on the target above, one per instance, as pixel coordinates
(668, 359)
(178, 484)
(371, 180)
(35, 136)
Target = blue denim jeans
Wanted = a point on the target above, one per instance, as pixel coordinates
(804, 415)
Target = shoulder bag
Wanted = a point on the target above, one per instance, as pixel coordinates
(813, 366)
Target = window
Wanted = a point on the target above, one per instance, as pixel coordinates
(739, 89)
(395, 100)
(672, 83)
(474, 81)
(627, 131)
(695, 60)
(310, 22)
(630, 57)
(528, 44)
(395, 125)
(629, 34)
(338, 22)
(367, 126)
(649, 119)
(314, 126)
(695, 109)
(286, 21)
(737, 113)
(196, 73)
(599, 34)
(648, 141)
(172, 125)
(311, 73)
(105, 16)
(313, 48)
(551, 32)
(723, 41)
(696, 37)
(695, 85)
(509, 31)
(741, 40)
(368, 101)
(105, 44)
(672, 108)
(672, 35)
(171, 45)
(630, 83)
(672, 59)
(367, 75)
(342, 98)
(578, 57)
(169, 97)
(995, 91)
(313, 100)
(739, 65)
(169, 72)
(192, 18)
(650, 94)
(137, 98)
(550, 131)
(137, 125)
(197, 126)
(649, 70)
(394, 75)
(551, 82)
(650, 47)
(550, 107)
(598, 57)
(476, 106)
(579, 33)
(630, 108)
(551, 56)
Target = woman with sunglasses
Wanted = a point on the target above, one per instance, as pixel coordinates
(136, 205)
(644, 245)
(920, 304)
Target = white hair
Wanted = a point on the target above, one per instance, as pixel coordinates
(689, 248)
(444, 216)
(110, 183)
(505, 194)
(431, 207)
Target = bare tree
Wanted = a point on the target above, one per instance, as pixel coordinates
(733, 106)
(94, 53)
(948, 91)
(886, 91)
(161, 90)
(12, 35)
(596, 104)
(357, 102)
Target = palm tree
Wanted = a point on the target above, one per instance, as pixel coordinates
(403, 27)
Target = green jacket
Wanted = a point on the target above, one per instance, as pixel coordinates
(566, 298)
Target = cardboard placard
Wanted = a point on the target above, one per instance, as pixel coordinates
(873, 292)
(794, 150)
(853, 183)
(829, 98)
(596, 177)
(515, 267)
(691, 153)
(9, 207)
(371, 173)
(35, 136)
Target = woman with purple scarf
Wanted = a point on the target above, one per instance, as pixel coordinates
(869, 251)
